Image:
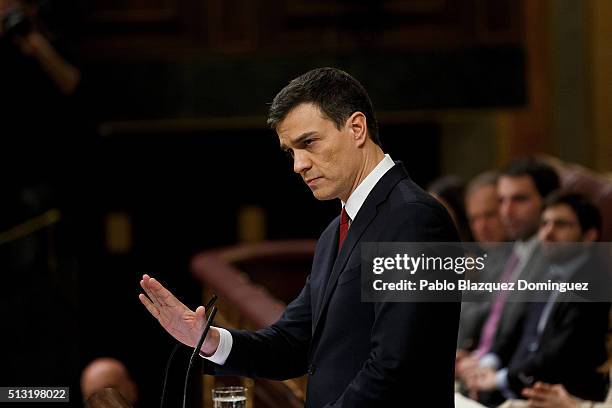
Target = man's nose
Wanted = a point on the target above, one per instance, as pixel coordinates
(478, 224)
(301, 162)
(504, 209)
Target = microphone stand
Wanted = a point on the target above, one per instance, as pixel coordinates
(210, 303)
(196, 351)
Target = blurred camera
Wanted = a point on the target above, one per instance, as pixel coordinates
(16, 23)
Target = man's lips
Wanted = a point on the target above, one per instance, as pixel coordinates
(311, 180)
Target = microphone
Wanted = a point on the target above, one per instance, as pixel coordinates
(196, 350)
(210, 303)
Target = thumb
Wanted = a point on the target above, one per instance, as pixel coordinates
(201, 312)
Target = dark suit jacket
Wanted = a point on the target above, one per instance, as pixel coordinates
(571, 347)
(475, 307)
(509, 329)
(360, 354)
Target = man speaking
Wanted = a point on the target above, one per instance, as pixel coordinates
(356, 354)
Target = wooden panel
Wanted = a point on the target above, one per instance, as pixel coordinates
(498, 20)
(233, 25)
(600, 33)
(339, 8)
(333, 25)
(527, 130)
(167, 28)
(138, 28)
(113, 13)
(340, 24)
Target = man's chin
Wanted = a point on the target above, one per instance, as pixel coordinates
(519, 234)
(321, 196)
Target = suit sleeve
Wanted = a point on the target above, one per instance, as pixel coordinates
(412, 343)
(277, 352)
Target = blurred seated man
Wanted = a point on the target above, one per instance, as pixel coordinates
(482, 210)
(107, 372)
(563, 338)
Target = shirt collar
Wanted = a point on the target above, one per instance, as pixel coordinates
(524, 249)
(358, 197)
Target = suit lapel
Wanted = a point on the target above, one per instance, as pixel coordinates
(364, 218)
(325, 263)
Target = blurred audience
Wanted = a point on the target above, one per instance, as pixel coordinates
(563, 339)
(522, 188)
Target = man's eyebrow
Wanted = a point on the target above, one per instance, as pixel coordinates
(299, 139)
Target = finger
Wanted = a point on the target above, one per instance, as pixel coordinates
(159, 295)
(471, 382)
(538, 396)
(542, 386)
(149, 305)
(557, 388)
(527, 392)
(165, 297)
(146, 286)
(469, 371)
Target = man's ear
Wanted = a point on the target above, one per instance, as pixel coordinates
(358, 126)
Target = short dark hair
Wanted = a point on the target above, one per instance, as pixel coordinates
(337, 94)
(544, 177)
(485, 179)
(587, 213)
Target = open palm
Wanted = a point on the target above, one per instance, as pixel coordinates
(177, 319)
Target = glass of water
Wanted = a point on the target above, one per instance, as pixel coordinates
(229, 397)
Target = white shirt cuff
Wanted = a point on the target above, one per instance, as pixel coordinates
(224, 348)
(490, 360)
(501, 380)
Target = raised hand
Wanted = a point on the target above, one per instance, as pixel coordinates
(177, 319)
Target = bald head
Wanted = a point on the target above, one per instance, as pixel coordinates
(108, 373)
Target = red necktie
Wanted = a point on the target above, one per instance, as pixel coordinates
(344, 226)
